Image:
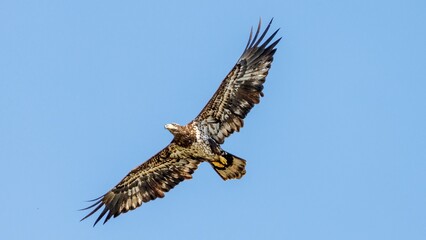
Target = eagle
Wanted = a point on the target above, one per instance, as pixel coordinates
(200, 140)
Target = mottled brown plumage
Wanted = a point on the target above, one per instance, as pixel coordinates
(200, 140)
(240, 90)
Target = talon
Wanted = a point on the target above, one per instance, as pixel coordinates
(218, 164)
(223, 160)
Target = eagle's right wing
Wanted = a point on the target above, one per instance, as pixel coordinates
(240, 90)
(145, 183)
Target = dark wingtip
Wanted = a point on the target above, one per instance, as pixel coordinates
(249, 40)
(255, 41)
(101, 216)
(256, 47)
(97, 205)
(256, 34)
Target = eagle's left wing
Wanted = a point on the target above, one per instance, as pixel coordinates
(150, 180)
(240, 90)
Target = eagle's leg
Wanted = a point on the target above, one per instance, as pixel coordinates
(229, 166)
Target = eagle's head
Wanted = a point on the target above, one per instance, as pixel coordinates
(174, 128)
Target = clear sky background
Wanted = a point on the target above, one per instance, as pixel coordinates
(335, 150)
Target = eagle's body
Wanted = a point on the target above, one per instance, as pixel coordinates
(198, 141)
(192, 142)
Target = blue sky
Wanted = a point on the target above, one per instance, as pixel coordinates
(335, 150)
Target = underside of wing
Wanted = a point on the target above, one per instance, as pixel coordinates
(240, 90)
(144, 183)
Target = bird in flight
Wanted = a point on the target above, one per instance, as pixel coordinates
(198, 141)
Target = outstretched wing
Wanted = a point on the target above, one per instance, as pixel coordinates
(145, 183)
(240, 90)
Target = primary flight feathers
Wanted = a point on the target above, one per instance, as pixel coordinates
(198, 141)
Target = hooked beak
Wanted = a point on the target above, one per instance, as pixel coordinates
(170, 127)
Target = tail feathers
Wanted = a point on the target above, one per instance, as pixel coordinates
(230, 166)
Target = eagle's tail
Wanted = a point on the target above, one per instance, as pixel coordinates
(229, 166)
